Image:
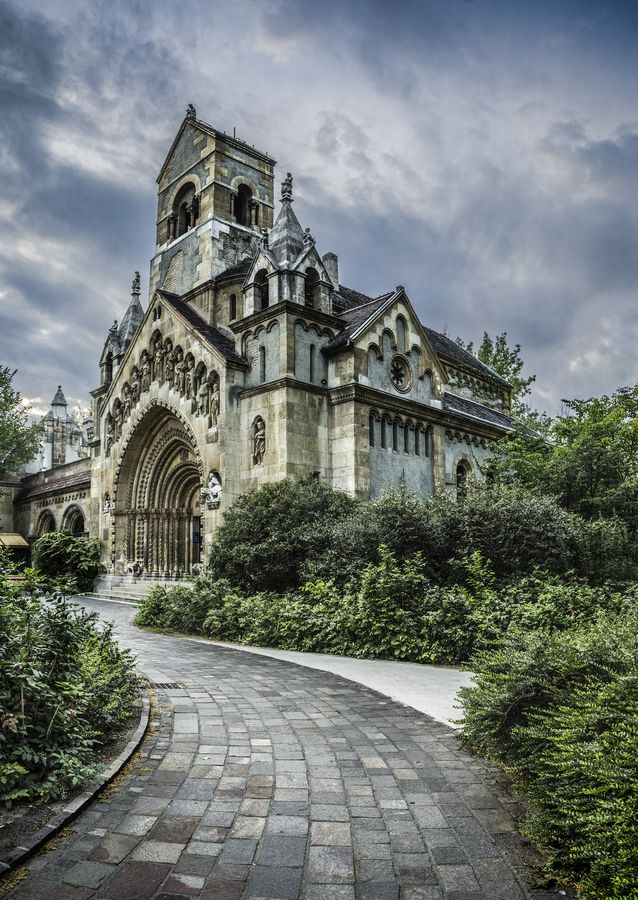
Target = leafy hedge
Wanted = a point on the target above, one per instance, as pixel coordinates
(392, 611)
(292, 531)
(61, 555)
(65, 688)
(560, 711)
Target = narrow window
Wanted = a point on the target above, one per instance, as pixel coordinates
(462, 473)
(428, 441)
(262, 364)
(261, 290)
(312, 362)
(395, 436)
(371, 429)
(417, 440)
(312, 288)
(233, 307)
(242, 205)
(384, 439)
(108, 369)
(406, 438)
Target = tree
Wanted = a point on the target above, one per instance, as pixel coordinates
(587, 457)
(507, 363)
(18, 439)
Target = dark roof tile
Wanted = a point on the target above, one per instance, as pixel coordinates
(213, 336)
(448, 348)
(463, 407)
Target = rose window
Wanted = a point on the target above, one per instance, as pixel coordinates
(400, 373)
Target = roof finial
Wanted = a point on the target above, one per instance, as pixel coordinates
(191, 112)
(286, 188)
(308, 238)
(135, 287)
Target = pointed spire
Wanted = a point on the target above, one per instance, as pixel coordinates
(59, 399)
(286, 239)
(132, 317)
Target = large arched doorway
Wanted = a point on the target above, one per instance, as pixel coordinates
(157, 499)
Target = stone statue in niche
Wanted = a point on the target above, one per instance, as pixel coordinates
(212, 494)
(158, 362)
(259, 441)
(180, 372)
(126, 401)
(118, 420)
(202, 399)
(169, 366)
(214, 399)
(189, 391)
(110, 433)
(135, 386)
(146, 372)
(106, 508)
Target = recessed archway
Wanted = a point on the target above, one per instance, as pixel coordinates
(46, 523)
(73, 521)
(157, 498)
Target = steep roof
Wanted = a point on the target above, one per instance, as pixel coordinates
(448, 348)
(476, 411)
(56, 484)
(355, 318)
(286, 237)
(347, 298)
(59, 398)
(213, 336)
(131, 322)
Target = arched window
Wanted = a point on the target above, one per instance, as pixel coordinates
(406, 438)
(74, 521)
(232, 313)
(427, 438)
(463, 471)
(261, 290)
(241, 207)
(108, 368)
(46, 523)
(371, 429)
(262, 364)
(184, 211)
(312, 362)
(312, 288)
(417, 440)
(395, 436)
(401, 334)
(384, 438)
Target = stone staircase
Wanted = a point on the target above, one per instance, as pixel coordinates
(128, 588)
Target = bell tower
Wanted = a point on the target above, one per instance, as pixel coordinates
(215, 194)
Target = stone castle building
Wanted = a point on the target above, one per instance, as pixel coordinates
(253, 362)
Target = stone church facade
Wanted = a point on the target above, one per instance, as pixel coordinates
(253, 362)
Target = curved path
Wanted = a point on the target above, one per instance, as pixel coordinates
(264, 779)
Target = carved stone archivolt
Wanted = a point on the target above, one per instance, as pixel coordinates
(166, 364)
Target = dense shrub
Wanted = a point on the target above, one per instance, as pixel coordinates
(65, 687)
(560, 710)
(268, 534)
(392, 611)
(60, 554)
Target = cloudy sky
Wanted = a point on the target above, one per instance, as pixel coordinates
(483, 154)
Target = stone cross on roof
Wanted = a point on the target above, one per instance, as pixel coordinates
(135, 287)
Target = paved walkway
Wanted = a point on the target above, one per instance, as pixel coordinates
(263, 779)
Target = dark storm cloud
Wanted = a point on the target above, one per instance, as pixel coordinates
(482, 154)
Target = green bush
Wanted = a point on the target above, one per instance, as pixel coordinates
(560, 711)
(60, 554)
(268, 534)
(65, 687)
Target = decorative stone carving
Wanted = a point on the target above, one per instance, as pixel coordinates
(189, 391)
(259, 441)
(106, 507)
(286, 187)
(135, 386)
(145, 367)
(158, 362)
(214, 399)
(212, 494)
(180, 372)
(110, 433)
(126, 401)
(203, 399)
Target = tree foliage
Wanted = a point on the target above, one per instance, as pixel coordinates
(18, 439)
(587, 457)
(506, 362)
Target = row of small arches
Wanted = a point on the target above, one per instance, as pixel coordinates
(400, 436)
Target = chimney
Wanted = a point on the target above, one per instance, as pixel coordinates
(331, 262)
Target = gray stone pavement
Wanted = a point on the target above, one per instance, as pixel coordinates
(263, 779)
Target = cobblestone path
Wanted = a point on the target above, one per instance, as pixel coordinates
(266, 779)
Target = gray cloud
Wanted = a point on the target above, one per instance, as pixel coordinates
(482, 154)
